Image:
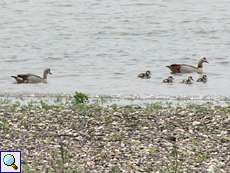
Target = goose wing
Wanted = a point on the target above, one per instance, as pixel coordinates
(30, 78)
(27, 76)
(141, 75)
(182, 68)
(185, 68)
(186, 65)
(175, 68)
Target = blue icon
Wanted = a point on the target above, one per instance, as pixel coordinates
(9, 160)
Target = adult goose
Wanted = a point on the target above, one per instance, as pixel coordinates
(185, 68)
(31, 78)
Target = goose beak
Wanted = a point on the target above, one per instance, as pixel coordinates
(205, 60)
(50, 73)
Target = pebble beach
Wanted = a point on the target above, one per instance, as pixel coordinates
(91, 138)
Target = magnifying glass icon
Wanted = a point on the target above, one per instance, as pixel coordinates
(9, 160)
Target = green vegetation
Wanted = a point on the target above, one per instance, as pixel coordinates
(115, 169)
(173, 163)
(154, 106)
(4, 125)
(80, 98)
(201, 157)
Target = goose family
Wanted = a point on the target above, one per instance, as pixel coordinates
(181, 68)
(32, 78)
(175, 68)
(185, 68)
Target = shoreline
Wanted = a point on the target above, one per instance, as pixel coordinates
(107, 100)
(93, 138)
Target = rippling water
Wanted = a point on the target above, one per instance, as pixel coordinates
(99, 46)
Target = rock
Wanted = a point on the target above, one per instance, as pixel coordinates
(195, 123)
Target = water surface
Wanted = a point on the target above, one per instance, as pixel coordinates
(99, 46)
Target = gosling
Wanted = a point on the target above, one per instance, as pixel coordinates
(168, 80)
(203, 79)
(146, 75)
(188, 81)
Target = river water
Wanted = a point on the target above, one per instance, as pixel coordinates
(99, 46)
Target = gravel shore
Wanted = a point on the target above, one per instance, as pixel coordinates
(91, 138)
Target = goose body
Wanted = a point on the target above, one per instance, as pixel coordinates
(168, 80)
(185, 68)
(146, 75)
(203, 79)
(187, 81)
(31, 78)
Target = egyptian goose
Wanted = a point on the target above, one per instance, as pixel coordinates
(203, 79)
(146, 75)
(168, 80)
(31, 78)
(187, 81)
(184, 68)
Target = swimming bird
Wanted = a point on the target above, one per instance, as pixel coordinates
(146, 75)
(31, 78)
(168, 80)
(203, 79)
(185, 68)
(188, 81)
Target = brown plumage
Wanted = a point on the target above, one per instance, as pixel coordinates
(185, 68)
(175, 68)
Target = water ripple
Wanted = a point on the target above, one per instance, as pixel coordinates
(99, 47)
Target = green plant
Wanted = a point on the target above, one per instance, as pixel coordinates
(80, 98)
(115, 169)
(174, 165)
(46, 106)
(60, 158)
(4, 125)
(114, 107)
(203, 108)
(154, 106)
(201, 157)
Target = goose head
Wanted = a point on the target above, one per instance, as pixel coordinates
(171, 78)
(202, 60)
(46, 72)
(190, 78)
(205, 77)
(148, 73)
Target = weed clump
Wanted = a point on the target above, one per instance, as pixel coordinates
(80, 98)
